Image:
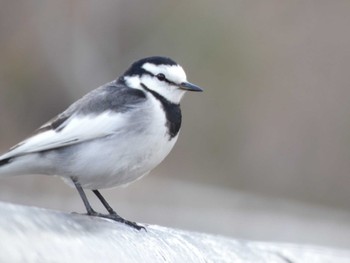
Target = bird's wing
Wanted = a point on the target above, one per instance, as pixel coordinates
(90, 118)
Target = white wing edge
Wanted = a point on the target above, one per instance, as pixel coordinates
(78, 129)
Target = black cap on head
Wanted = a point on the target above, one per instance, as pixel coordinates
(136, 67)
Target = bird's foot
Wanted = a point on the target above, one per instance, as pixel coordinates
(114, 216)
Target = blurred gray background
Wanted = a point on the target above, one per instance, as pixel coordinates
(263, 152)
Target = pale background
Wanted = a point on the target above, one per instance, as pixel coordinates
(264, 152)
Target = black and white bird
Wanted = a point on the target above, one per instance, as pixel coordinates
(112, 136)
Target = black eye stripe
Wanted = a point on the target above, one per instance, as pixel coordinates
(165, 79)
(170, 82)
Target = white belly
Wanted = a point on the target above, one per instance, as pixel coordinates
(105, 165)
(120, 158)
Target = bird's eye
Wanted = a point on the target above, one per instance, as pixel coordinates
(161, 76)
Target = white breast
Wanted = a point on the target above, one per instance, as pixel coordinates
(125, 156)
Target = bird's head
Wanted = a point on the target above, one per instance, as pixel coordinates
(161, 75)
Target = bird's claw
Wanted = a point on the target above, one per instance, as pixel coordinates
(117, 218)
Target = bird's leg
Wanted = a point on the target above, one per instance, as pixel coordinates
(82, 194)
(104, 202)
(113, 215)
(91, 212)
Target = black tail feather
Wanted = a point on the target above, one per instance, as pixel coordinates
(5, 161)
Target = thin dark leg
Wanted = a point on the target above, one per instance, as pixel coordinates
(88, 207)
(91, 212)
(113, 215)
(104, 202)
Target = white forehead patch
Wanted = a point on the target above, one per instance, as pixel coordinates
(174, 73)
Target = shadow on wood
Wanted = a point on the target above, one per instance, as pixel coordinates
(29, 234)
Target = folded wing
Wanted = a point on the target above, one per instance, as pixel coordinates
(90, 118)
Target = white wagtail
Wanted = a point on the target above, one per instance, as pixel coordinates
(112, 136)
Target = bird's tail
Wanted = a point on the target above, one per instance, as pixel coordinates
(23, 165)
(12, 166)
(4, 161)
(4, 167)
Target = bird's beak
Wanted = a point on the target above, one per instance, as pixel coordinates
(189, 87)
